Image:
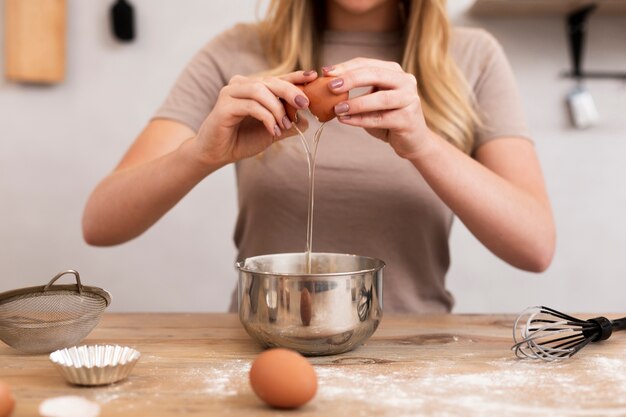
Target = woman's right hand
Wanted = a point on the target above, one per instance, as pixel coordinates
(168, 158)
(249, 116)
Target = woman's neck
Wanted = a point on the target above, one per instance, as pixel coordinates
(382, 18)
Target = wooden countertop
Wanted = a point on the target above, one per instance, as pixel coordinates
(449, 365)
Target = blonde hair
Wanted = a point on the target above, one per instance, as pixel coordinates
(291, 40)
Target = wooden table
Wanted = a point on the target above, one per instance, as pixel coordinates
(450, 365)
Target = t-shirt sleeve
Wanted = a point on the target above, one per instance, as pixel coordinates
(196, 90)
(497, 97)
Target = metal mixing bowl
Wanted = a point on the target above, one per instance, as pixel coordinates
(332, 309)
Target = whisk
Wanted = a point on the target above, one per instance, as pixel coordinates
(543, 333)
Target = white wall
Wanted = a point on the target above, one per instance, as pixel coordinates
(57, 142)
(584, 170)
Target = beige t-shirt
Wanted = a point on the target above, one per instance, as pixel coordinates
(368, 201)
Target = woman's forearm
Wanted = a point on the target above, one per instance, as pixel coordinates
(130, 200)
(161, 167)
(511, 221)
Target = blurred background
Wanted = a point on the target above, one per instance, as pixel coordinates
(58, 141)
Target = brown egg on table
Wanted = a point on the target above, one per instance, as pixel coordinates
(322, 100)
(7, 403)
(283, 378)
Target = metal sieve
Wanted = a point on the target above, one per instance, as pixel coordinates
(49, 317)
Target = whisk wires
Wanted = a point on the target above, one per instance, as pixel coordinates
(543, 333)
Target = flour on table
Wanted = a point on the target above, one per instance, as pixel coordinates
(440, 389)
(210, 380)
(470, 387)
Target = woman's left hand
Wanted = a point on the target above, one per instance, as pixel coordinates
(392, 111)
(499, 196)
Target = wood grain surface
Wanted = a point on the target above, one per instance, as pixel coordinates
(449, 365)
(35, 40)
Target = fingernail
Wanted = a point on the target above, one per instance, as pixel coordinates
(277, 131)
(344, 117)
(328, 68)
(286, 122)
(342, 107)
(301, 101)
(336, 83)
(309, 72)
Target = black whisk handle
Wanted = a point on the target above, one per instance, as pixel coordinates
(606, 328)
(619, 324)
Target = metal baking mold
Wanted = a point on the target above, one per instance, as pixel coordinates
(93, 365)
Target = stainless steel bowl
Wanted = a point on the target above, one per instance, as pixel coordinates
(331, 309)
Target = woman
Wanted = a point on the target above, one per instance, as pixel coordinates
(439, 132)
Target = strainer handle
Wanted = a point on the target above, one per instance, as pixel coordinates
(60, 274)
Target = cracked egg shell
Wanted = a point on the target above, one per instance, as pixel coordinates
(322, 100)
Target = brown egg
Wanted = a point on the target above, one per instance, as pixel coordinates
(283, 378)
(322, 100)
(7, 403)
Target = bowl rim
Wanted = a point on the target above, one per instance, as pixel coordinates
(240, 265)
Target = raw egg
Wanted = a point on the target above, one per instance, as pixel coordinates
(283, 378)
(7, 403)
(322, 101)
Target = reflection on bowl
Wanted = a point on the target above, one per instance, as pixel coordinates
(332, 309)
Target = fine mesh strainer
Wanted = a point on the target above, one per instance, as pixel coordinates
(49, 317)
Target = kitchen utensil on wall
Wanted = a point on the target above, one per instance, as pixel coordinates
(543, 333)
(582, 108)
(576, 25)
(50, 317)
(123, 21)
(35, 41)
